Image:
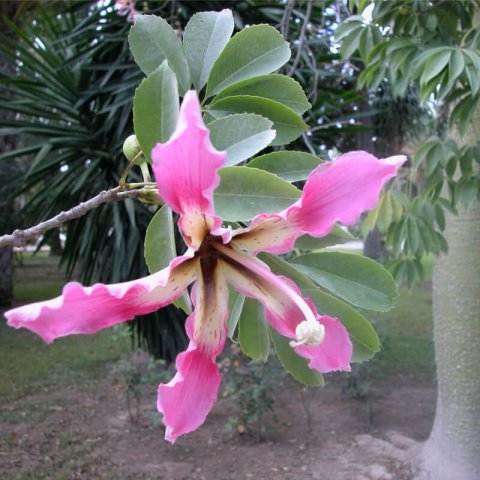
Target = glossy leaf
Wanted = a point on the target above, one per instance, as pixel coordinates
(152, 40)
(206, 35)
(245, 192)
(241, 135)
(280, 88)
(336, 237)
(160, 240)
(355, 278)
(435, 63)
(253, 331)
(286, 122)
(362, 334)
(456, 65)
(351, 42)
(159, 248)
(254, 51)
(235, 306)
(346, 28)
(155, 108)
(289, 165)
(294, 364)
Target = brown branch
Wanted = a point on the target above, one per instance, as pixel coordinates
(20, 237)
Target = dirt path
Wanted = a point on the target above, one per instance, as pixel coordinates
(84, 432)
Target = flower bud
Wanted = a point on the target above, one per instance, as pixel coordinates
(131, 148)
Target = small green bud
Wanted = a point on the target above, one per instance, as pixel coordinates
(131, 148)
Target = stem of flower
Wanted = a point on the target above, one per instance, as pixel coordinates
(123, 178)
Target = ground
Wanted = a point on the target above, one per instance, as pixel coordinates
(84, 432)
(70, 420)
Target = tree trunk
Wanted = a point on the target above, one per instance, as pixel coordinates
(6, 282)
(372, 246)
(453, 450)
(7, 9)
(55, 243)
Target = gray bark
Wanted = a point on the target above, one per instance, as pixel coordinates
(453, 450)
(6, 277)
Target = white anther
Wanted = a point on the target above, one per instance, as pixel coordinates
(309, 333)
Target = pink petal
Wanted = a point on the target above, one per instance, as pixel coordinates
(281, 298)
(267, 233)
(334, 353)
(186, 401)
(337, 191)
(285, 309)
(84, 310)
(186, 172)
(341, 190)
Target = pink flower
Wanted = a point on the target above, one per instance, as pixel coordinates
(186, 172)
(126, 7)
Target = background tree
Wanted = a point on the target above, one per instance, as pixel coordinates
(15, 11)
(435, 45)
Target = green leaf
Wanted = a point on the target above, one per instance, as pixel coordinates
(160, 240)
(289, 165)
(348, 26)
(245, 192)
(286, 122)
(337, 236)
(206, 35)
(474, 58)
(235, 306)
(294, 364)
(155, 108)
(435, 63)
(367, 41)
(473, 80)
(152, 40)
(159, 248)
(253, 331)
(456, 65)
(362, 334)
(424, 150)
(241, 135)
(355, 278)
(280, 88)
(254, 51)
(350, 43)
(413, 234)
(440, 217)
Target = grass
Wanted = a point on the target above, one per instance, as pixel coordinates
(406, 333)
(27, 364)
(406, 330)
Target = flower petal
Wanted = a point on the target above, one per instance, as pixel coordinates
(285, 309)
(185, 169)
(341, 191)
(188, 398)
(337, 191)
(335, 352)
(84, 310)
(279, 295)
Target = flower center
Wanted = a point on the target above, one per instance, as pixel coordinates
(309, 333)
